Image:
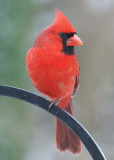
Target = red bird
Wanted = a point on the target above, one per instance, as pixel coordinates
(54, 70)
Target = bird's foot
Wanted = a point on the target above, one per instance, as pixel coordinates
(54, 102)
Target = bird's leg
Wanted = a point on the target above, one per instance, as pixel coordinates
(54, 102)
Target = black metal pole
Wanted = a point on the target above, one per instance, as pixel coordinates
(65, 117)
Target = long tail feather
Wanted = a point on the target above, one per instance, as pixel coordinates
(64, 137)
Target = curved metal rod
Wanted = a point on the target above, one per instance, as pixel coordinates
(65, 117)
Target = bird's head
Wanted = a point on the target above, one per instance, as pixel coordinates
(60, 35)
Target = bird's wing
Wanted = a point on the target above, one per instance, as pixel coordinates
(77, 83)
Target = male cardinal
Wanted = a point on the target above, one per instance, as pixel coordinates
(54, 70)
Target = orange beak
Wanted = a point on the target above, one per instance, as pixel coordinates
(74, 41)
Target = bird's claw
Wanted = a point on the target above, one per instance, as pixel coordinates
(53, 102)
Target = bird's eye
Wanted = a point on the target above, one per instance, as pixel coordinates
(62, 35)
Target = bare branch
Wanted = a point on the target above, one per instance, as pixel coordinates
(62, 115)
